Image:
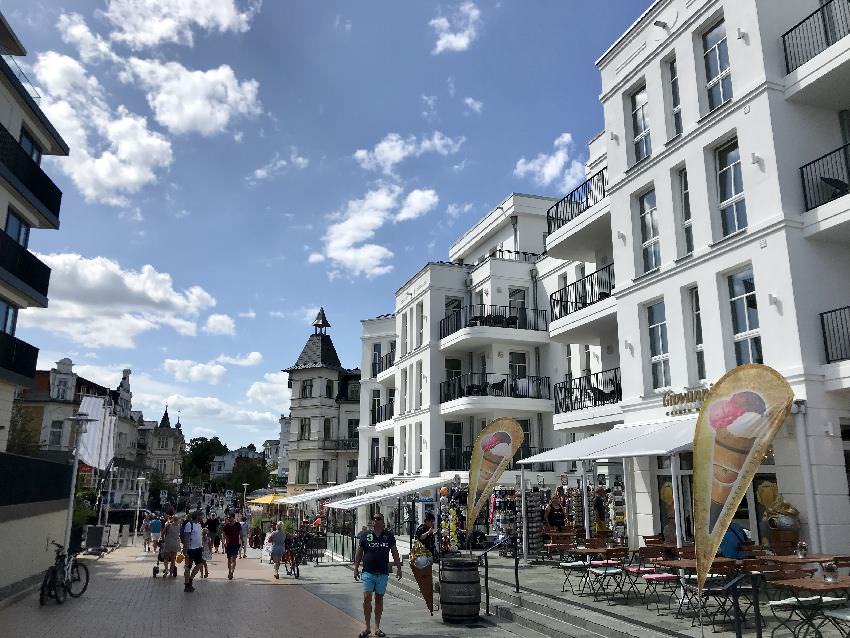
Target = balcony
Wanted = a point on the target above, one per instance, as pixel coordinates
(579, 200)
(835, 328)
(826, 182)
(512, 255)
(383, 413)
(27, 178)
(22, 264)
(481, 315)
(483, 384)
(352, 443)
(585, 310)
(593, 288)
(815, 33)
(580, 224)
(591, 399)
(17, 360)
(381, 465)
(459, 459)
(383, 364)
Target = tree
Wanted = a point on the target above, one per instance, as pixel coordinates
(200, 452)
(23, 436)
(256, 475)
(155, 486)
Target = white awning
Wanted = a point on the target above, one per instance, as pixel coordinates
(645, 439)
(394, 491)
(333, 490)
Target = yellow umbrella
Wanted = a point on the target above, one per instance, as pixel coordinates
(268, 499)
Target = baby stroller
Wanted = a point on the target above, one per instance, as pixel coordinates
(160, 559)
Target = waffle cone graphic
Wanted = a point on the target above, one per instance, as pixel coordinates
(730, 455)
(425, 580)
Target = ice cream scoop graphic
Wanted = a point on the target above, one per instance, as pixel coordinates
(496, 448)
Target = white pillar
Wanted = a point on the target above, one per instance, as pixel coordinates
(677, 498)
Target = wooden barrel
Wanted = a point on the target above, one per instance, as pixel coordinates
(460, 589)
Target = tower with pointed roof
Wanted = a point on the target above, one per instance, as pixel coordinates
(323, 438)
(165, 447)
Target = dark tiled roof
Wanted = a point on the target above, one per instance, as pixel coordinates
(319, 352)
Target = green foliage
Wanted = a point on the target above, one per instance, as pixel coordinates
(255, 475)
(155, 485)
(198, 456)
(84, 511)
(23, 434)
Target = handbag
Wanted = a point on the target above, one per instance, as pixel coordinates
(180, 557)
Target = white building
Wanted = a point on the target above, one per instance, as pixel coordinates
(283, 447)
(223, 464)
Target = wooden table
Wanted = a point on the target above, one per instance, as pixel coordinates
(793, 559)
(811, 612)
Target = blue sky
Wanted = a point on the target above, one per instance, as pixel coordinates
(235, 165)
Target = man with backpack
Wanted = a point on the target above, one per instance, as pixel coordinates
(193, 545)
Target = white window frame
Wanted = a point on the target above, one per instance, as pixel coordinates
(696, 332)
(419, 384)
(687, 218)
(302, 422)
(660, 358)
(641, 137)
(675, 97)
(54, 430)
(514, 368)
(652, 242)
(737, 197)
(749, 334)
(715, 51)
(403, 402)
(403, 334)
(420, 324)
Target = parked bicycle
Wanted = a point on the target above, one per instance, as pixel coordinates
(296, 555)
(66, 577)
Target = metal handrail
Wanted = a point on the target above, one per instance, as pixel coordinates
(492, 316)
(835, 328)
(583, 197)
(826, 178)
(815, 33)
(588, 391)
(476, 384)
(591, 289)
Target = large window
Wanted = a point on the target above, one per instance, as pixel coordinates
(718, 75)
(327, 429)
(306, 388)
(419, 384)
(8, 317)
(454, 435)
(659, 357)
(376, 404)
(161, 466)
(675, 99)
(640, 125)
(650, 243)
(420, 324)
(404, 334)
(162, 443)
(745, 318)
(326, 469)
(685, 201)
(55, 437)
(30, 146)
(329, 389)
(304, 430)
(518, 363)
(353, 424)
(453, 304)
(730, 188)
(17, 228)
(696, 332)
(303, 475)
(453, 368)
(403, 405)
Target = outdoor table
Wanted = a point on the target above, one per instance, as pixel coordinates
(793, 559)
(811, 611)
(690, 564)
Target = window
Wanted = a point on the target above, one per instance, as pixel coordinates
(518, 364)
(696, 332)
(303, 474)
(8, 317)
(418, 384)
(640, 125)
(327, 429)
(353, 424)
(160, 466)
(453, 368)
(304, 430)
(351, 470)
(403, 406)
(326, 470)
(745, 318)
(730, 188)
(376, 358)
(675, 100)
(571, 438)
(586, 360)
(17, 228)
(659, 357)
(30, 146)
(454, 435)
(420, 324)
(453, 304)
(306, 388)
(329, 389)
(404, 334)
(55, 437)
(417, 438)
(718, 75)
(162, 443)
(376, 404)
(569, 361)
(685, 200)
(516, 297)
(353, 391)
(650, 243)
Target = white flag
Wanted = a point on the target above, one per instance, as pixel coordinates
(96, 447)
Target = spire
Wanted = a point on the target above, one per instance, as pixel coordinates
(321, 323)
(165, 422)
(178, 425)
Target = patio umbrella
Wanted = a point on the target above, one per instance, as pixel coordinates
(264, 500)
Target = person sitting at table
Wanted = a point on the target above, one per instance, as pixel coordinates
(554, 515)
(730, 546)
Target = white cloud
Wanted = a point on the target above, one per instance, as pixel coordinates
(297, 160)
(417, 203)
(459, 31)
(558, 167)
(394, 149)
(248, 314)
(114, 153)
(450, 85)
(272, 392)
(457, 168)
(188, 370)
(250, 359)
(429, 107)
(473, 105)
(149, 23)
(187, 101)
(220, 324)
(97, 303)
(276, 166)
(315, 258)
(342, 25)
(456, 210)
(92, 47)
(308, 313)
(204, 432)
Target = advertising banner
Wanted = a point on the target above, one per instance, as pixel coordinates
(493, 450)
(736, 425)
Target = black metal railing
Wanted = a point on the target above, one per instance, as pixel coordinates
(17, 260)
(835, 326)
(512, 255)
(480, 384)
(386, 362)
(28, 172)
(455, 459)
(383, 413)
(588, 391)
(815, 33)
(381, 465)
(484, 315)
(17, 356)
(583, 197)
(352, 443)
(587, 291)
(826, 178)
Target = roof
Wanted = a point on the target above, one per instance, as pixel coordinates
(9, 40)
(318, 352)
(321, 321)
(428, 265)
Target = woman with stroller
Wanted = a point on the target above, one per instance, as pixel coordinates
(277, 539)
(206, 552)
(170, 545)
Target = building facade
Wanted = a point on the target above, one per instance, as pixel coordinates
(283, 448)
(325, 415)
(223, 464)
(165, 446)
(28, 200)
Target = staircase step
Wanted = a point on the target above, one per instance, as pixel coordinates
(542, 624)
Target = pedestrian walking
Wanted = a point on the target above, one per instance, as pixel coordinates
(212, 525)
(277, 538)
(427, 534)
(206, 554)
(373, 551)
(155, 527)
(146, 532)
(232, 533)
(243, 538)
(193, 544)
(171, 544)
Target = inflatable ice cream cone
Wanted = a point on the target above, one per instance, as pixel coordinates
(493, 450)
(497, 450)
(421, 563)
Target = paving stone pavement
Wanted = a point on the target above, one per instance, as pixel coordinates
(125, 601)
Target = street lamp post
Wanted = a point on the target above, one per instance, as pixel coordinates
(78, 424)
(139, 482)
(244, 497)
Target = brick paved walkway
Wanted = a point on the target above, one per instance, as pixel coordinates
(124, 601)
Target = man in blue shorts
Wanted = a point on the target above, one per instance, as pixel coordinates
(374, 551)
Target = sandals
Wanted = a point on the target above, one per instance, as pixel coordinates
(364, 634)
(380, 633)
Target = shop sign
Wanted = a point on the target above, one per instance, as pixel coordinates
(425, 499)
(685, 402)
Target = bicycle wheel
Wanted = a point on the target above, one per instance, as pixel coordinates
(44, 592)
(58, 587)
(79, 580)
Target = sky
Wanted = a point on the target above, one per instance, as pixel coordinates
(236, 164)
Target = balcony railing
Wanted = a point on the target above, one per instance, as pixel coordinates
(18, 72)
(17, 356)
(385, 363)
(816, 33)
(17, 260)
(383, 413)
(512, 255)
(826, 178)
(349, 444)
(596, 287)
(835, 326)
(28, 172)
(458, 459)
(381, 465)
(494, 317)
(482, 384)
(588, 391)
(585, 196)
